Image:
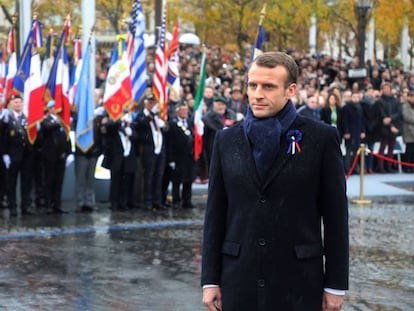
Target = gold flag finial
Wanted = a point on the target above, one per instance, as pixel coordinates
(262, 14)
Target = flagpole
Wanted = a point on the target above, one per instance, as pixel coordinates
(25, 12)
(88, 24)
(261, 17)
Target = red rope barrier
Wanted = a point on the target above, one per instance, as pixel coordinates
(351, 169)
(391, 159)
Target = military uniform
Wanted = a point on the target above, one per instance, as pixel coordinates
(54, 150)
(180, 158)
(21, 154)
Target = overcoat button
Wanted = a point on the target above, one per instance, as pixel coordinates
(261, 283)
(262, 242)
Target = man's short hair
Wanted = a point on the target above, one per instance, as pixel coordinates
(274, 59)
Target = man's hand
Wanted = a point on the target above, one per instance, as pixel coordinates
(212, 298)
(332, 302)
(394, 130)
(386, 120)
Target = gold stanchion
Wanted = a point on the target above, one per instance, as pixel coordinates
(361, 152)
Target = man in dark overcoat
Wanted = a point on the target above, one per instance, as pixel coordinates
(274, 180)
(353, 128)
(20, 155)
(150, 128)
(180, 156)
(56, 146)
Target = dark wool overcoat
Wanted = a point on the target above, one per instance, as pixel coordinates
(263, 240)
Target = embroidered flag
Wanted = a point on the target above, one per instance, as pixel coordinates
(84, 102)
(118, 88)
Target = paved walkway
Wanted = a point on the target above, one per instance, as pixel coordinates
(139, 260)
(380, 185)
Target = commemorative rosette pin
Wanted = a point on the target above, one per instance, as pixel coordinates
(294, 137)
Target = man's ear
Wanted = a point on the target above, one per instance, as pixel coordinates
(291, 90)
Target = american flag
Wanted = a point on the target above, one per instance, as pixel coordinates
(160, 74)
(136, 51)
(173, 55)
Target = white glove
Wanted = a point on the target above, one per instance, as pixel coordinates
(6, 160)
(128, 131)
(126, 118)
(4, 115)
(172, 165)
(69, 159)
(99, 111)
(155, 109)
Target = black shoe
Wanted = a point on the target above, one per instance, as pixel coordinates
(27, 211)
(188, 205)
(159, 207)
(87, 209)
(59, 210)
(148, 207)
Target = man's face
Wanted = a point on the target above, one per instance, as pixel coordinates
(266, 90)
(17, 105)
(208, 92)
(150, 103)
(219, 107)
(182, 112)
(355, 98)
(236, 95)
(386, 90)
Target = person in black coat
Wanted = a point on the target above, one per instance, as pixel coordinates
(275, 180)
(120, 157)
(216, 119)
(331, 113)
(18, 157)
(55, 148)
(4, 119)
(180, 156)
(372, 124)
(353, 130)
(150, 128)
(389, 108)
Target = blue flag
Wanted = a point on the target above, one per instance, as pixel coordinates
(84, 101)
(23, 65)
(259, 42)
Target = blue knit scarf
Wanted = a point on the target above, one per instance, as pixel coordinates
(265, 134)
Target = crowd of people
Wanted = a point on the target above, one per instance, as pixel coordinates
(147, 155)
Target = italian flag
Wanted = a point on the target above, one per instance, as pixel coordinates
(198, 108)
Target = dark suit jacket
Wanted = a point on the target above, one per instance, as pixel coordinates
(55, 144)
(16, 143)
(263, 242)
(114, 151)
(180, 150)
(327, 117)
(212, 123)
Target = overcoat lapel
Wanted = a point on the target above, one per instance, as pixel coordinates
(246, 150)
(283, 156)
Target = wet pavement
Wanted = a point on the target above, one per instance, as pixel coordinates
(140, 260)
